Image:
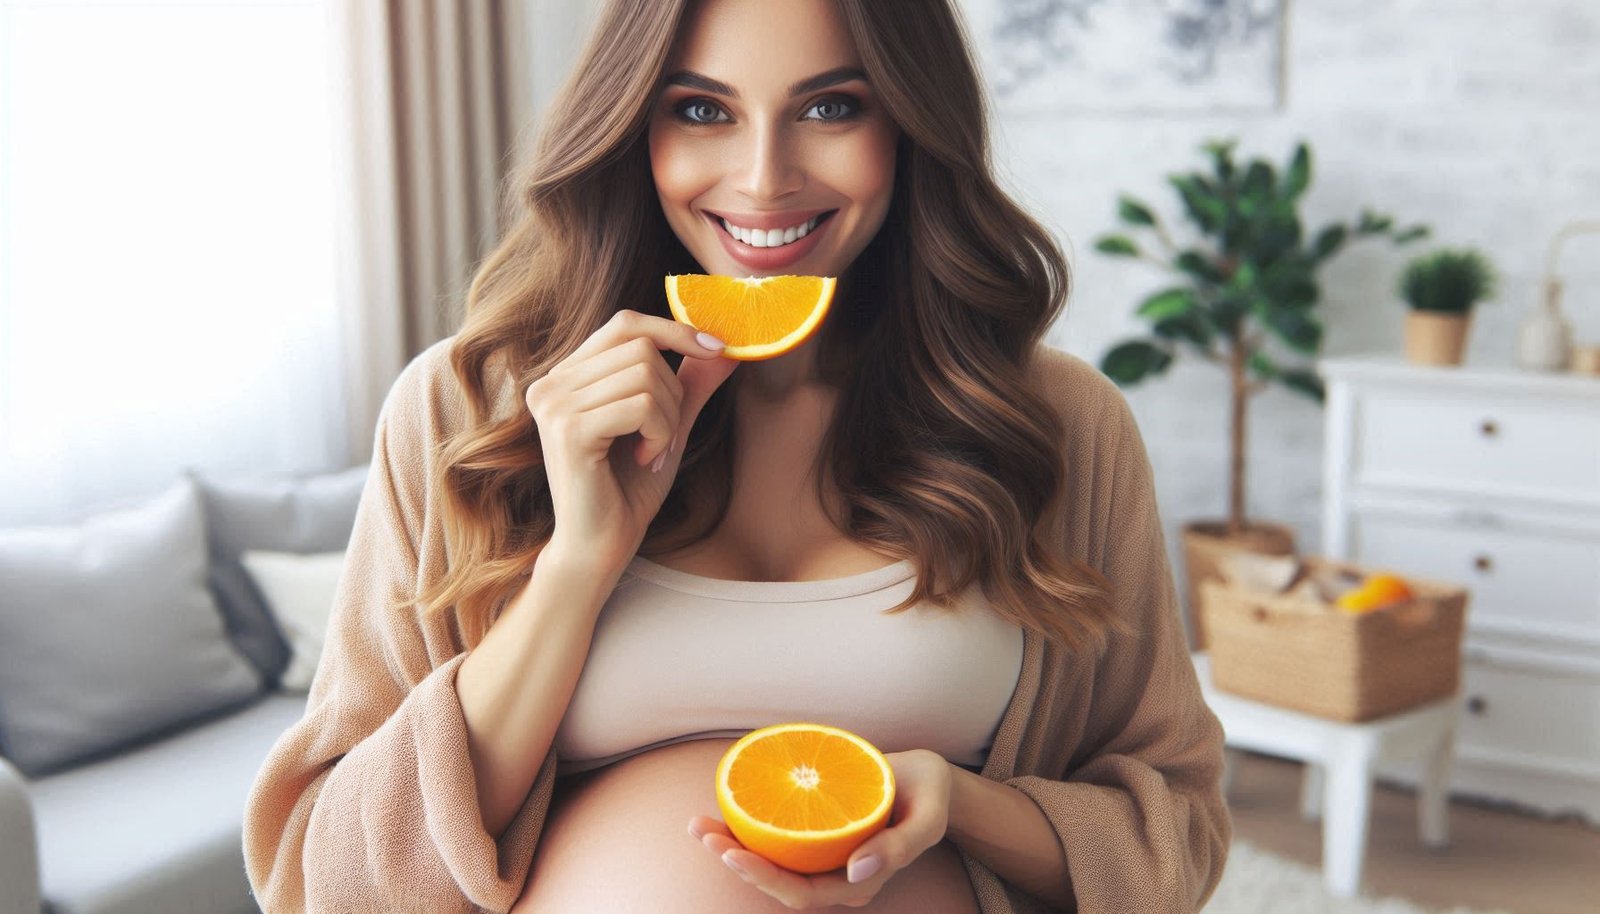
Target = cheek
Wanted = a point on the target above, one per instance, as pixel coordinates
(676, 172)
(864, 170)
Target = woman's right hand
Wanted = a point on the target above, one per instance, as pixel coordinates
(616, 384)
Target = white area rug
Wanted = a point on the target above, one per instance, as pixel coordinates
(1256, 882)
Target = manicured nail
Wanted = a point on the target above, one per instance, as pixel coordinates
(734, 865)
(673, 449)
(696, 833)
(660, 461)
(864, 868)
(710, 342)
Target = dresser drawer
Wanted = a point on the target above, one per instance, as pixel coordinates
(1513, 709)
(1517, 574)
(1483, 444)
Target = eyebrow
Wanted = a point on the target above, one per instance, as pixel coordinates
(810, 84)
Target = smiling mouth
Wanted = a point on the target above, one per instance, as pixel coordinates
(760, 239)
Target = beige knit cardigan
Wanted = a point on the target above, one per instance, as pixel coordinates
(369, 803)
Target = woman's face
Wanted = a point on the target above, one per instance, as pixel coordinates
(765, 123)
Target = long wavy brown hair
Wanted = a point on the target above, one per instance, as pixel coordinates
(940, 448)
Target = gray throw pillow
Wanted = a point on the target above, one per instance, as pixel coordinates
(109, 635)
(302, 514)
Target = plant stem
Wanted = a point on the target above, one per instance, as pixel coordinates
(1236, 456)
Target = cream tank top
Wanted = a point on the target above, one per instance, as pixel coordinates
(677, 656)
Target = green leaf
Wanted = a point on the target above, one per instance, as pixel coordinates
(1193, 327)
(1117, 246)
(1195, 264)
(1221, 152)
(1244, 277)
(1228, 311)
(1411, 234)
(1261, 366)
(1133, 361)
(1167, 303)
(1305, 382)
(1298, 176)
(1133, 212)
(1258, 184)
(1373, 223)
(1202, 205)
(1295, 327)
(1328, 242)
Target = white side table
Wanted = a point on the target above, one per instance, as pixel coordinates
(1348, 753)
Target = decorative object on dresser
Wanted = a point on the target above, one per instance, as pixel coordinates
(1250, 278)
(1489, 476)
(1544, 342)
(1441, 289)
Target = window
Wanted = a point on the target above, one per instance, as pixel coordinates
(167, 285)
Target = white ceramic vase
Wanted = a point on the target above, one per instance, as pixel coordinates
(1544, 342)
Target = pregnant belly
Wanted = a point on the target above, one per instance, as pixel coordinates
(617, 840)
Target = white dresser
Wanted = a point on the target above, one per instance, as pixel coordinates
(1488, 477)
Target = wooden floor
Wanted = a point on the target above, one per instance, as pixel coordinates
(1498, 859)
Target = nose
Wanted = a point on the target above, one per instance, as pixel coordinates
(767, 167)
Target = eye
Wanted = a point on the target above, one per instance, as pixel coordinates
(698, 111)
(836, 108)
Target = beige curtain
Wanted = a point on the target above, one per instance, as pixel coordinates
(432, 97)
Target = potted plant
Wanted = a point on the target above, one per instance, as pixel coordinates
(1441, 289)
(1244, 289)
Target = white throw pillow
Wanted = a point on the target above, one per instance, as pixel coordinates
(299, 589)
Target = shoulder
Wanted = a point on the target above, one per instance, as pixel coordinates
(426, 398)
(1092, 408)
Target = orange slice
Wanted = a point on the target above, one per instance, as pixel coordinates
(804, 795)
(759, 317)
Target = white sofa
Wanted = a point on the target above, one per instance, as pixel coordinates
(154, 830)
(145, 818)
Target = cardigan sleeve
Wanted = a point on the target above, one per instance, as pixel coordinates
(369, 802)
(1139, 808)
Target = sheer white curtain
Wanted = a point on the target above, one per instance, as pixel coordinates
(167, 267)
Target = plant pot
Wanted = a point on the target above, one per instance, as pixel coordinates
(1206, 543)
(1436, 337)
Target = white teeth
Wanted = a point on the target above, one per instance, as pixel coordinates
(770, 238)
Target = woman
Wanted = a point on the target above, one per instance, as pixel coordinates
(591, 553)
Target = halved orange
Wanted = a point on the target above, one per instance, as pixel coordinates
(759, 317)
(804, 795)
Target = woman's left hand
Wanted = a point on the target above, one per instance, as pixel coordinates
(917, 821)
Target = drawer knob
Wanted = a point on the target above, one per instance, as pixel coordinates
(1490, 428)
(1477, 704)
(1483, 563)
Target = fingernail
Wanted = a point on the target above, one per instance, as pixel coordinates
(864, 868)
(656, 467)
(710, 342)
(674, 448)
(734, 865)
(696, 833)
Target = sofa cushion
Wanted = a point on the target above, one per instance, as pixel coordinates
(159, 829)
(109, 635)
(299, 589)
(302, 514)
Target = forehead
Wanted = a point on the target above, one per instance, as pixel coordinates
(762, 45)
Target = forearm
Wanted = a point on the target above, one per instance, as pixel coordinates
(515, 686)
(1005, 830)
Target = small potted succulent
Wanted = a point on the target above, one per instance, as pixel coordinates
(1441, 289)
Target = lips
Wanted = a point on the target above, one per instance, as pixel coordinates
(775, 258)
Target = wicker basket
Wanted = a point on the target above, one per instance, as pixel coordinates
(1313, 657)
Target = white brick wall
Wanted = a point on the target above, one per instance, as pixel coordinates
(1480, 118)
